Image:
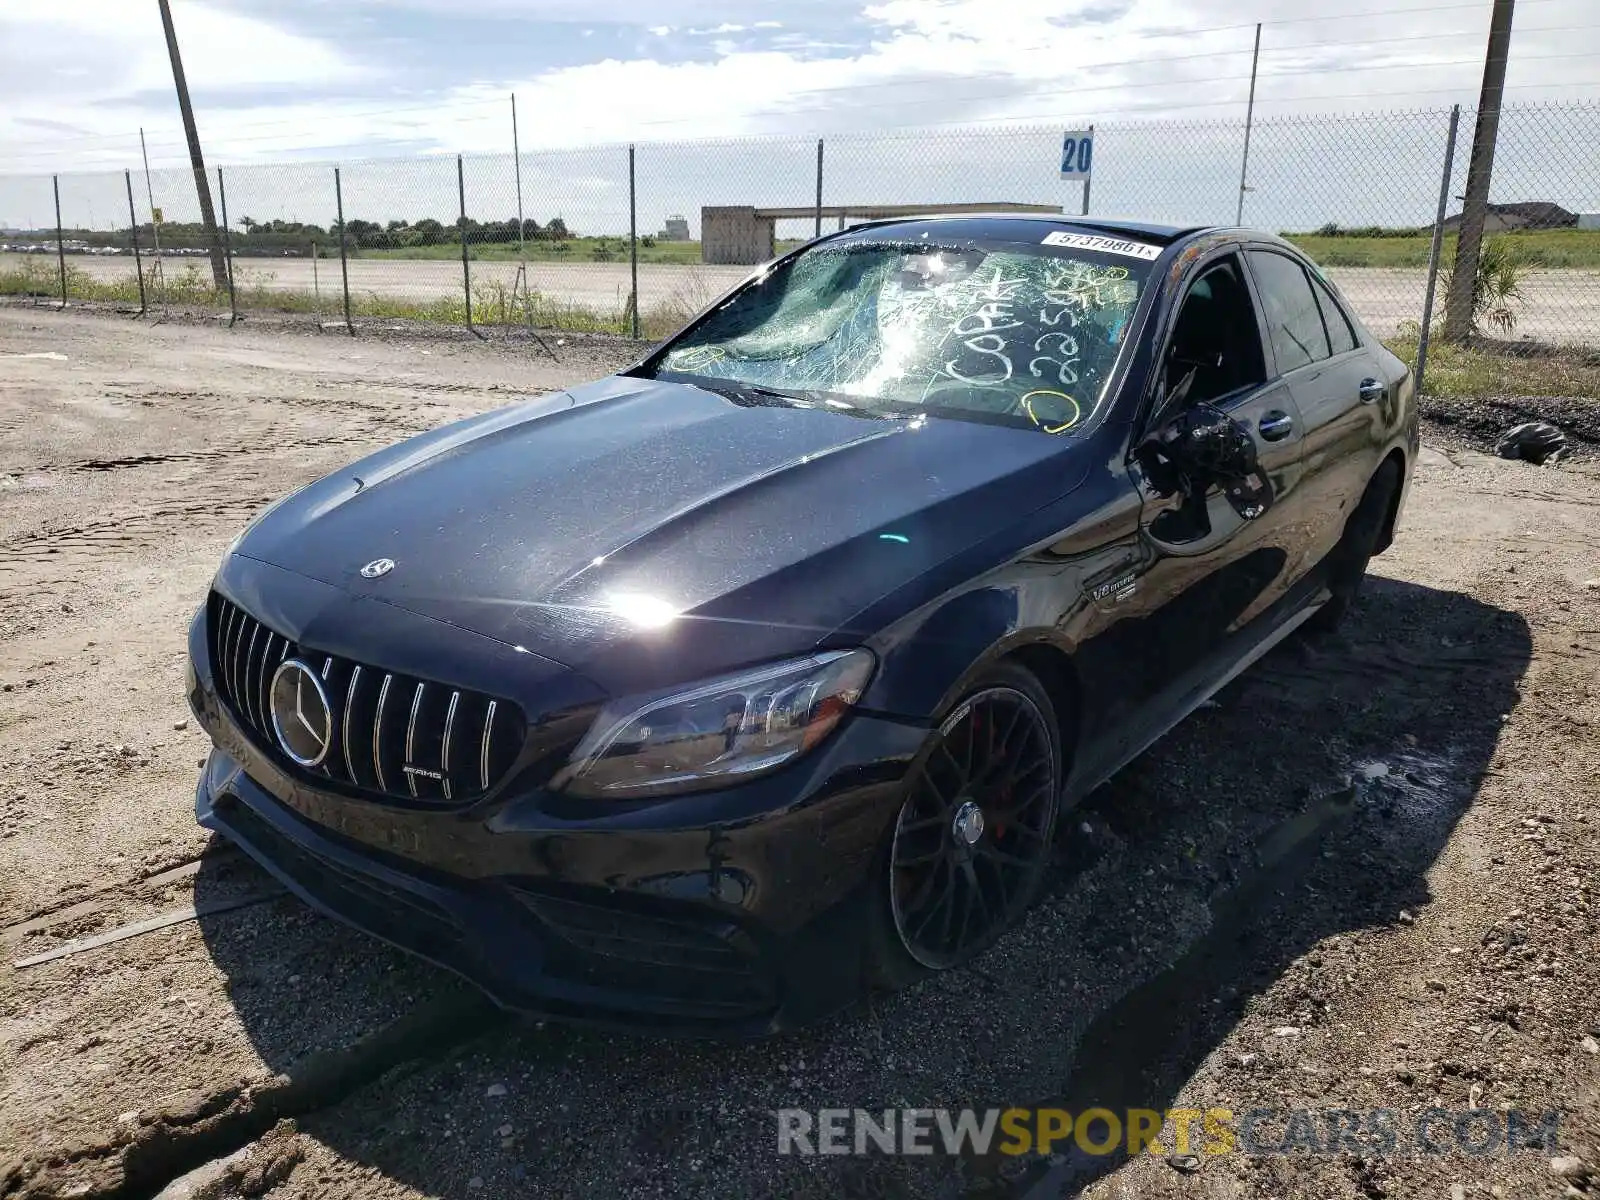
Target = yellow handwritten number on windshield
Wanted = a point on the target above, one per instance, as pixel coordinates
(697, 356)
(1050, 423)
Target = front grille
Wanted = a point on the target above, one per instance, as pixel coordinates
(706, 961)
(391, 735)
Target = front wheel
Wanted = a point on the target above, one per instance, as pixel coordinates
(974, 832)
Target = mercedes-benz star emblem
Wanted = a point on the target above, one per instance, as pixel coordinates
(968, 825)
(377, 567)
(302, 718)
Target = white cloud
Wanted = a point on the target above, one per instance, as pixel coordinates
(930, 61)
(78, 80)
(121, 45)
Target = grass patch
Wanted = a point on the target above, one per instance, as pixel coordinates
(1548, 248)
(493, 302)
(575, 250)
(1490, 368)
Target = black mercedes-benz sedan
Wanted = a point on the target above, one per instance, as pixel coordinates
(705, 696)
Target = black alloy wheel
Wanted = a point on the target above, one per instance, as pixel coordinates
(976, 828)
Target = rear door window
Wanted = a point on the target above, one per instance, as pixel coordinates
(1294, 320)
(1341, 337)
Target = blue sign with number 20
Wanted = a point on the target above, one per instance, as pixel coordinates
(1077, 153)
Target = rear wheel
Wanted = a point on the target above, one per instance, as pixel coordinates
(1347, 564)
(974, 833)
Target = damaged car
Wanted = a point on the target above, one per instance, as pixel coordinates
(707, 696)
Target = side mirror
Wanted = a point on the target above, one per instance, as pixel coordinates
(1210, 445)
(1203, 446)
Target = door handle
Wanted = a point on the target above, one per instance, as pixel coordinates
(1370, 391)
(1275, 425)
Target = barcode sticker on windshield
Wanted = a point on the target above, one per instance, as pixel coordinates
(1107, 245)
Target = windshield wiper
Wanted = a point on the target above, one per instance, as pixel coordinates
(742, 392)
(754, 394)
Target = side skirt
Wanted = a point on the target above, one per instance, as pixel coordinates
(1172, 707)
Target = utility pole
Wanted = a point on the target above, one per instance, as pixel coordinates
(1249, 121)
(1480, 169)
(202, 185)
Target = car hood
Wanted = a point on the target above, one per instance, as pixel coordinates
(636, 521)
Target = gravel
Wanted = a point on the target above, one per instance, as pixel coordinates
(1427, 930)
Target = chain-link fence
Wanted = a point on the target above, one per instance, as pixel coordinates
(634, 240)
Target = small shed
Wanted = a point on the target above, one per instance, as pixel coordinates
(746, 234)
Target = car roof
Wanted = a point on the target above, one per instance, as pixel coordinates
(1149, 231)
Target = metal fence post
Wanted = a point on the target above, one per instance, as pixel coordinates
(466, 269)
(633, 245)
(133, 237)
(344, 259)
(227, 251)
(816, 230)
(61, 242)
(155, 225)
(1089, 178)
(1424, 333)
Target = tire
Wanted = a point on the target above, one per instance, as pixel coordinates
(998, 752)
(1347, 562)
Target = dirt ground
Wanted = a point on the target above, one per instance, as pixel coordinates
(1363, 878)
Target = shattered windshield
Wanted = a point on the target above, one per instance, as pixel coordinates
(1001, 332)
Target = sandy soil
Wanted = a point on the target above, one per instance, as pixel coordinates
(1231, 922)
(1558, 306)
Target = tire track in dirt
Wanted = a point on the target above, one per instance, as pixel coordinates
(120, 530)
(134, 1162)
(134, 461)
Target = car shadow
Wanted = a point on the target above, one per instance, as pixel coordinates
(1307, 802)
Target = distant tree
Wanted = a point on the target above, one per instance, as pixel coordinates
(362, 232)
(429, 231)
(556, 230)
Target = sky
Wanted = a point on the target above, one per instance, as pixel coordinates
(345, 80)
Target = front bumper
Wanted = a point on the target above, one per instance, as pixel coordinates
(732, 913)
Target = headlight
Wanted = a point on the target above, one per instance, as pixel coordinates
(717, 733)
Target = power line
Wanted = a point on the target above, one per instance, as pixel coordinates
(379, 112)
(1186, 83)
(943, 81)
(1051, 116)
(1120, 39)
(431, 129)
(1058, 115)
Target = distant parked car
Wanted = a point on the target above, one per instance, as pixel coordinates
(707, 695)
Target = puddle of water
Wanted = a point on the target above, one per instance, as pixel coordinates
(1411, 783)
